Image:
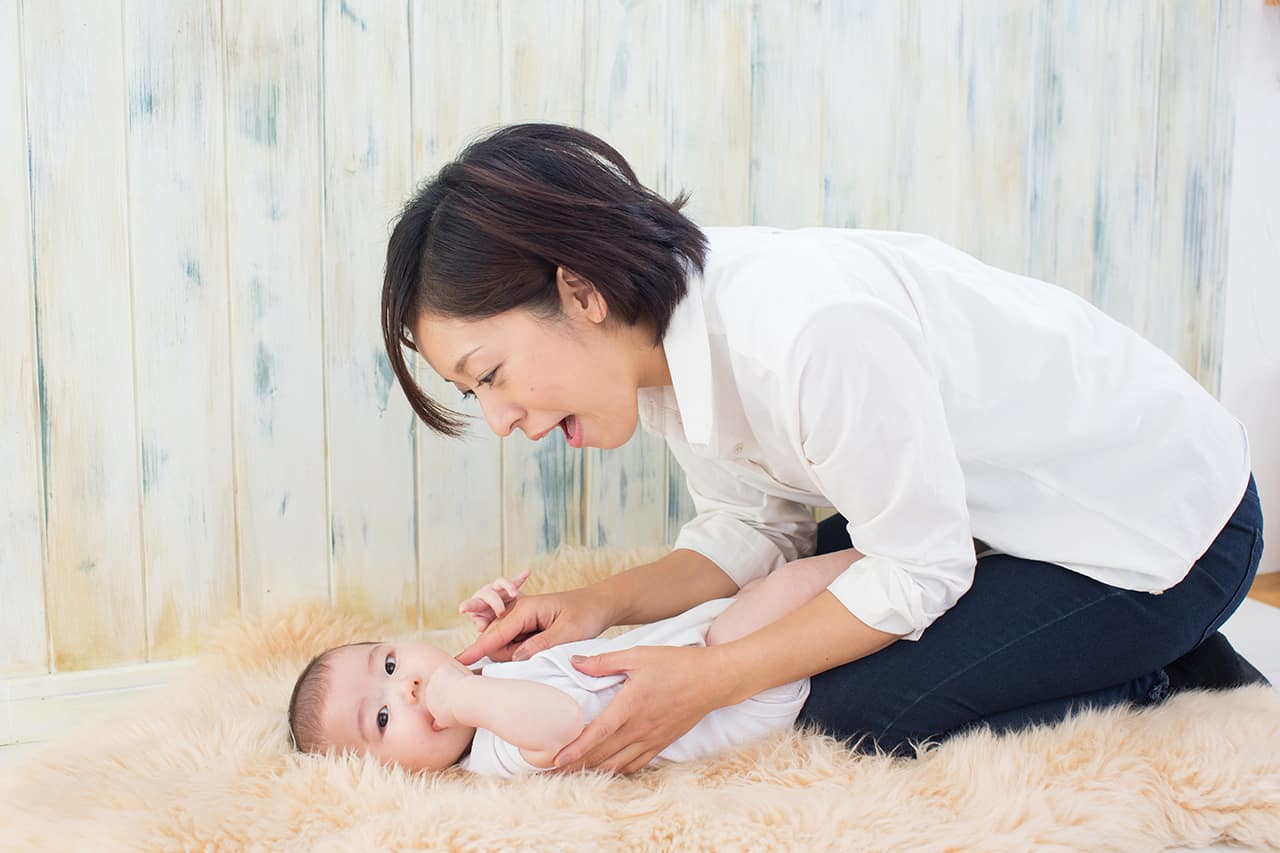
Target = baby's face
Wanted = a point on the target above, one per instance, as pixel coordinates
(375, 705)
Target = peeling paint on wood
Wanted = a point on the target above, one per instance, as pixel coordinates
(178, 230)
(23, 641)
(366, 173)
(275, 254)
(76, 97)
(459, 487)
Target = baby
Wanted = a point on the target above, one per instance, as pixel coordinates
(412, 704)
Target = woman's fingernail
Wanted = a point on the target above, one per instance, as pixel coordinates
(578, 659)
(520, 654)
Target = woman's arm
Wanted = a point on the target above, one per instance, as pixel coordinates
(669, 689)
(646, 593)
(669, 585)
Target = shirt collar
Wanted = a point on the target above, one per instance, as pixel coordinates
(688, 350)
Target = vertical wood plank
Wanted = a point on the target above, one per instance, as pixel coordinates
(1206, 358)
(709, 129)
(1062, 165)
(274, 255)
(459, 480)
(366, 172)
(625, 81)
(542, 49)
(77, 140)
(1185, 285)
(178, 231)
(786, 114)
(1125, 123)
(708, 133)
(992, 67)
(24, 645)
(865, 54)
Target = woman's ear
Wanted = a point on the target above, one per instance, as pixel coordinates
(579, 297)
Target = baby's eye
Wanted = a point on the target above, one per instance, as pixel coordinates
(384, 716)
(390, 664)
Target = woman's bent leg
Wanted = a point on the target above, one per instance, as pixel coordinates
(1031, 642)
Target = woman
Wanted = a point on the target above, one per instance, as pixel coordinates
(945, 409)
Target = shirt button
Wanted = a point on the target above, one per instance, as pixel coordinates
(737, 449)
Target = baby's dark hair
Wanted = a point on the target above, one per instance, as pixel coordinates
(487, 233)
(306, 705)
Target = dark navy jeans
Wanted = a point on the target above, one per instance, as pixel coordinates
(1029, 643)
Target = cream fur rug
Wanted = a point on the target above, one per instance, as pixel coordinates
(205, 764)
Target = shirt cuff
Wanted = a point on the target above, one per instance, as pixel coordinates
(741, 552)
(880, 593)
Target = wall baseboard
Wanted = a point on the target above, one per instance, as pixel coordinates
(41, 707)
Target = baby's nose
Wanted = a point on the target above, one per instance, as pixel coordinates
(410, 688)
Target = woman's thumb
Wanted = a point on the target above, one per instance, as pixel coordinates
(532, 646)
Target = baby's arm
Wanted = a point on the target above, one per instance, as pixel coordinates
(768, 599)
(536, 717)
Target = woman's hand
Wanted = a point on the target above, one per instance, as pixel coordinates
(537, 622)
(667, 691)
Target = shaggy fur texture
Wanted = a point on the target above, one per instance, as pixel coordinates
(205, 764)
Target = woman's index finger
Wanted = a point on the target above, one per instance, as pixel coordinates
(499, 634)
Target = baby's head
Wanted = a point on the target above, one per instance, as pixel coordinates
(369, 698)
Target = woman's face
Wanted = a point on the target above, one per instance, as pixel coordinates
(576, 374)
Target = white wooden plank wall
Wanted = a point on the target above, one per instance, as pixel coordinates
(367, 167)
(178, 237)
(74, 72)
(455, 97)
(198, 418)
(24, 645)
(625, 81)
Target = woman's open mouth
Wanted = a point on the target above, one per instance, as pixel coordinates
(572, 430)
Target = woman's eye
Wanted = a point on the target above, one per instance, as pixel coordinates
(390, 664)
(487, 379)
(384, 716)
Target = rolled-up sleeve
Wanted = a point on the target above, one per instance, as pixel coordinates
(745, 532)
(874, 434)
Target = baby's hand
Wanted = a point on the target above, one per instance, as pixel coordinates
(490, 601)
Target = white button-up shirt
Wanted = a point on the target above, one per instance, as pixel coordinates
(931, 400)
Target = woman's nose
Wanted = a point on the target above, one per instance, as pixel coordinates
(501, 417)
(409, 690)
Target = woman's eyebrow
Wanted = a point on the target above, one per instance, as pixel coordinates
(462, 362)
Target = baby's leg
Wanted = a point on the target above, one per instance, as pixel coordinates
(770, 598)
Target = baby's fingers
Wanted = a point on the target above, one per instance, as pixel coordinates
(507, 588)
(493, 598)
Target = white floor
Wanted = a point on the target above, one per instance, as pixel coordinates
(1254, 630)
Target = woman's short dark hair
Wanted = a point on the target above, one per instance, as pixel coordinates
(486, 234)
